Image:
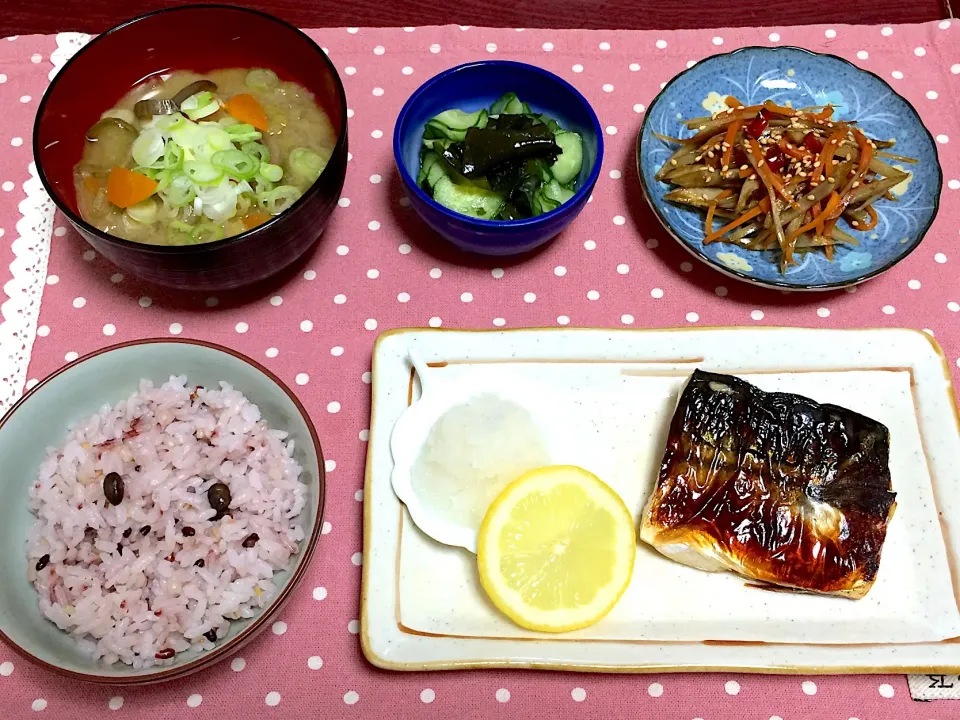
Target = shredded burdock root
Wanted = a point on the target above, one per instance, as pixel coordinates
(780, 178)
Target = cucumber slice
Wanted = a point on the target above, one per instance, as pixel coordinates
(515, 107)
(500, 105)
(568, 165)
(460, 120)
(556, 193)
(435, 129)
(436, 172)
(468, 199)
(428, 161)
(551, 124)
(432, 168)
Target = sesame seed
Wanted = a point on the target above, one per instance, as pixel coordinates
(674, 162)
(725, 168)
(829, 124)
(761, 164)
(753, 176)
(710, 154)
(801, 174)
(816, 164)
(856, 184)
(848, 156)
(702, 127)
(744, 167)
(831, 180)
(854, 223)
(812, 198)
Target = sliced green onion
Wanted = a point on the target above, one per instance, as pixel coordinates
(243, 204)
(177, 236)
(147, 148)
(263, 185)
(262, 78)
(197, 100)
(206, 232)
(279, 199)
(179, 192)
(188, 135)
(150, 172)
(258, 149)
(202, 172)
(169, 123)
(227, 121)
(163, 179)
(243, 133)
(273, 173)
(219, 203)
(215, 140)
(200, 105)
(172, 156)
(306, 164)
(236, 164)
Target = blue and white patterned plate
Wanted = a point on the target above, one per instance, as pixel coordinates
(802, 78)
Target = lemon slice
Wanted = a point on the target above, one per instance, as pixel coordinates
(556, 549)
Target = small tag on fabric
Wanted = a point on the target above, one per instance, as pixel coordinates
(934, 687)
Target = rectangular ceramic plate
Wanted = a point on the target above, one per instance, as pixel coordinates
(422, 604)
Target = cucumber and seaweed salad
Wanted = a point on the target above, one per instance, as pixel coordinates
(505, 163)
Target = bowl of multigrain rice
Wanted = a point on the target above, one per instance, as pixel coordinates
(161, 500)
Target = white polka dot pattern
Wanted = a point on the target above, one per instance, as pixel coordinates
(377, 268)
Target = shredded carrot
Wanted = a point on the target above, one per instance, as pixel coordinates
(818, 216)
(732, 130)
(828, 249)
(863, 165)
(756, 210)
(832, 204)
(91, 183)
(824, 114)
(866, 154)
(874, 219)
(731, 102)
(254, 219)
(826, 155)
(712, 207)
(126, 187)
(775, 109)
(794, 151)
(246, 108)
(767, 174)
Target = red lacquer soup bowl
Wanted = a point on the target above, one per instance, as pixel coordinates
(200, 38)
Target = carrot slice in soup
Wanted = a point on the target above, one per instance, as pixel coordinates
(247, 109)
(126, 187)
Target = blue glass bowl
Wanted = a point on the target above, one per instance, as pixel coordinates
(802, 78)
(477, 85)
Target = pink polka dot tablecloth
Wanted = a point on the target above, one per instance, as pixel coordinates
(379, 267)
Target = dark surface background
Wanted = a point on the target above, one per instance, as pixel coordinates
(18, 17)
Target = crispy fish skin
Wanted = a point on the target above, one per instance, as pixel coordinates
(773, 486)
